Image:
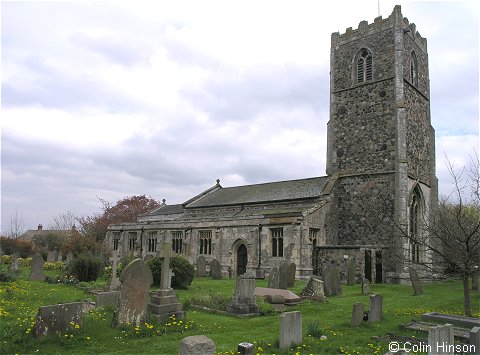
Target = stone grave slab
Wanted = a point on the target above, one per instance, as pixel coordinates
(376, 308)
(314, 289)
(291, 270)
(439, 339)
(357, 314)
(474, 340)
(36, 268)
(216, 269)
(283, 276)
(196, 345)
(107, 298)
(461, 321)
(244, 301)
(289, 296)
(331, 279)
(201, 266)
(290, 329)
(417, 287)
(274, 278)
(365, 287)
(57, 317)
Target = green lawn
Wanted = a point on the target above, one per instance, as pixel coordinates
(20, 300)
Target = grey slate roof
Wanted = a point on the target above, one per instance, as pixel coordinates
(267, 192)
(165, 210)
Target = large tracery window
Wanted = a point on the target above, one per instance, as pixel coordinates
(277, 242)
(364, 65)
(415, 229)
(177, 237)
(414, 69)
(205, 242)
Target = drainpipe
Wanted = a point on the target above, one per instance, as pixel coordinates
(141, 243)
(259, 245)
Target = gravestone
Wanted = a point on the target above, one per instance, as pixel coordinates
(375, 311)
(69, 257)
(52, 256)
(475, 340)
(331, 278)
(275, 299)
(289, 297)
(357, 314)
(58, 317)
(136, 279)
(440, 338)
(351, 272)
(274, 278)
(365, 287)
(314, 289)
(147, 257)
(164, 302)
(475, 281)
(283, 276)
(196, 345)
(201, 266)
(14, 264)
(108, 298)
(417, 287)
(245, 349)
(114, 282)
(36, 268)
(292, 269)
(215, 269)
(290, 329)
(244, 301)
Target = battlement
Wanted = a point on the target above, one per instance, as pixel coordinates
(396, 19)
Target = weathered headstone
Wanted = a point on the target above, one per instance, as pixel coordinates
(417, 287)
(474, 340)
(147, 257)
(69, 257)
(475, 281)
(290, 329)
(36, 268)
(164, 302)
(108, 298)
(114, 282)
(274, 278)
(440, 338)
(136, 279)
(292, 269)
(14, 264)
(196, 345)
(244, 301)
(357, 314)
(331, 278)
(201, 266)
(375, 311)
(351, 272)
(58, 317)
(245, 349)
(365, 287)
(283, 276)
(314, 289)
(215, 269)
(52, 256)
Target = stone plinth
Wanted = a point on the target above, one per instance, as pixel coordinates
(244, 301)
(196, 345)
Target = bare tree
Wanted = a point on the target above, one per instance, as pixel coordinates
(64, 221)
(17, 226)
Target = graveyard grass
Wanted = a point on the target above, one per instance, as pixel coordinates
(19, 302)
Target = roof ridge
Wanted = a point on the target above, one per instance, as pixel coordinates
(275, 182)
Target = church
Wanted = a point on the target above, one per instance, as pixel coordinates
(380, 184)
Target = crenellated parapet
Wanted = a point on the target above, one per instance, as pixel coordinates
(365, 29)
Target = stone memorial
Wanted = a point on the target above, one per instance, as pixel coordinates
(244, 301)
(215, 269)
(14, 263)
(365, 287)
(245, 349)
(36, 268)
(52, 256)
(331, 278)
(274, 278)
(474, 340)
(417, 287)
(290, 329)
(289, 297)
(283, 276)
(196, 345)
(314, 289)
(357, 314)
(69, 257)
(440, 338)
(275, 299)
(201, 266)
(107, 298)
(147, 257)
(375, 311)
(114, 282)
(58, 317)
(164, 302)
(351, 272)
(291, 270)
(136, 279)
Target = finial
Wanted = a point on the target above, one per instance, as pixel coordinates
(163, 201)
(218, 181)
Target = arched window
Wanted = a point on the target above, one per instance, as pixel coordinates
(414, 69)
(363, 66)
(277, 242)
(415, 227)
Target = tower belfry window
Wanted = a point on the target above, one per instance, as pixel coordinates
(414, 69)
(364, 65)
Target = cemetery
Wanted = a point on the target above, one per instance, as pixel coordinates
(41, 311)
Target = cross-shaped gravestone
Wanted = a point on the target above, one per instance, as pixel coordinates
(165, 281)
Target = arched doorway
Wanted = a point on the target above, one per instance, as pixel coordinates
(241, 259)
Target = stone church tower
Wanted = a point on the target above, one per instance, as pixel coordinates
(381, 145)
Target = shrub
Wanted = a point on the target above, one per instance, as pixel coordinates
(313, 329)
(86, 267)
(24, 262)
(182, 269)
(213, 300)
(6, 259)
(6, 276)
(10, 246)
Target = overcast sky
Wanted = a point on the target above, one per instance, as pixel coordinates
(113, 99)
